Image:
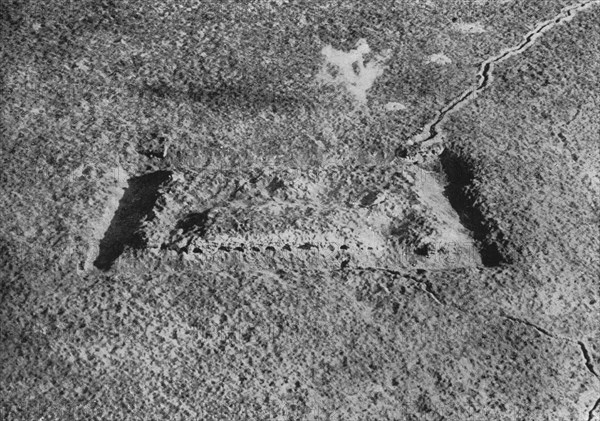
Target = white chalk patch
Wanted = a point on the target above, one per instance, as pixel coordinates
(439, 58)
(302, 21)
(394, 106)
(76, 173)
(469, 28)
(352, 72)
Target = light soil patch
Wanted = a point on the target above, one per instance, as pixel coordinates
(439, 58)
(395, 106)
(350, 69)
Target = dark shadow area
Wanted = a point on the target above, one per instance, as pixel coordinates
(195, 221)
(248, 97)
(6, 254)
(462, 197)
(252, 98)
(152, 145)
(425, 250)
(135, 206)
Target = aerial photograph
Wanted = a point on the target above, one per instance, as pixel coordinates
(287, 210)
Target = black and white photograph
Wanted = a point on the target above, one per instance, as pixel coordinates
(300, 210)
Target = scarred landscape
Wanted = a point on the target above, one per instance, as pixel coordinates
(294, 210)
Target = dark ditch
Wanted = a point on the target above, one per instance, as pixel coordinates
(136, 205)
(462, 196)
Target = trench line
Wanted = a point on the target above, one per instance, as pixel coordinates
(433, 132)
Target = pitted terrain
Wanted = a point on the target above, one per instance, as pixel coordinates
(385, 216)
(285, 210)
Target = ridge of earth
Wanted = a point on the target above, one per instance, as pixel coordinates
(124, 124)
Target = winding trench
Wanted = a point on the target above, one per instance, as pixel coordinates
(142, 193)
(432, 133)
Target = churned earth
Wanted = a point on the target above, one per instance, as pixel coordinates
(297, 210)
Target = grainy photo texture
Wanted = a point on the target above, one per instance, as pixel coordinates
(300, 210)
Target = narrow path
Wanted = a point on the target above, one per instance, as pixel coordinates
(432, 132)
